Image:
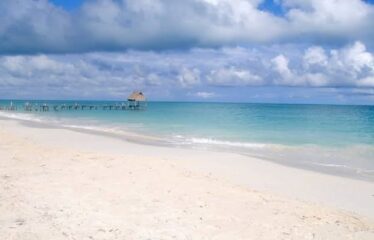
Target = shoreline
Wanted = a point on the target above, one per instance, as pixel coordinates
(54, 180)
(241, 159)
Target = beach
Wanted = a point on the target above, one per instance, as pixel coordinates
(57, 183)
(186, 120)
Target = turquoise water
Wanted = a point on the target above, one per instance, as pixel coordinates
(327, 137)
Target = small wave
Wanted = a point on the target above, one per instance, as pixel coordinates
(211, 141)
(357, 170)
(118, 132)
(92, 128)
(331, 165)
(20, 116)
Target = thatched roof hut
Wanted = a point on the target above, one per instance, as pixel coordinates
(136, 96)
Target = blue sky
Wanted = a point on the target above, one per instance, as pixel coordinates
(294, 51)
(268, 5)
(68, 4)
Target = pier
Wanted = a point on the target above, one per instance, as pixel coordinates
(45, 107)
(136, 101)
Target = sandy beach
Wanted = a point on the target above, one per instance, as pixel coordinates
(63, 184)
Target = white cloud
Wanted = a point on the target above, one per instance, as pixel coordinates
(189, 77)
(334, 18)
(154, 79)
(366, 82)
(32, 65)
(280, 65)
(232, 76)
(314, 56)
(360, 91)
(30, 26)
(350, 66)
(356, 57)
(205, 94)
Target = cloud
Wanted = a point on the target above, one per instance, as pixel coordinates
(351, 66)
(34, 26)
(315, 56)
(280, 65)
(366, 82)
(189, 77)
(173, 73)
(328, 18)
(153, 79)
(233, 76)
(205, 94)
(288, 77)
(364, 92)
(29, 27)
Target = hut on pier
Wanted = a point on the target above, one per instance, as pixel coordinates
(136, 100)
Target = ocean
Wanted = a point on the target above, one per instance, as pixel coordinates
(333, 139)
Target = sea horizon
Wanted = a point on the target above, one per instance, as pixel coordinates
(190, 101)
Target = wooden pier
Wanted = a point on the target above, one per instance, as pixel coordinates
(136, 101)
(45, 107)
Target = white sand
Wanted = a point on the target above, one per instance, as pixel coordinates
(60, 184)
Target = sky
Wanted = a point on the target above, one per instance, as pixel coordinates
(277, 51)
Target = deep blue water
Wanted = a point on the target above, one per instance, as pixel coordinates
(343, 135)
